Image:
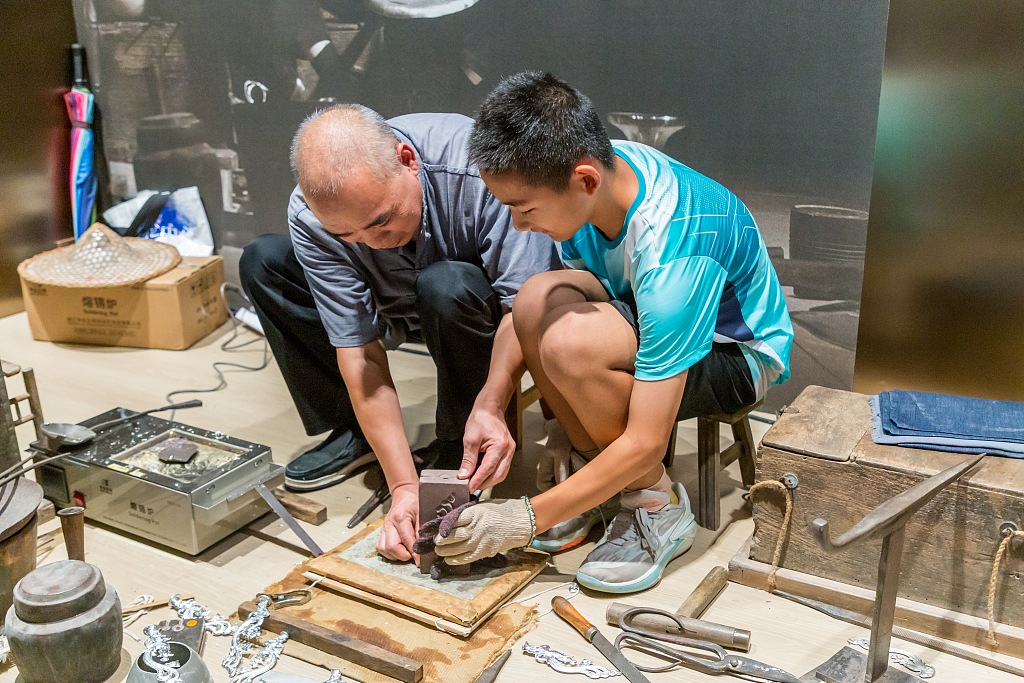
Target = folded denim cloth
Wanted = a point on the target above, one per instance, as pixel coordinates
(941, 422)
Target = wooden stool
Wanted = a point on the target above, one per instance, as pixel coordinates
(521, 400)
(29, 398)
(711, 460)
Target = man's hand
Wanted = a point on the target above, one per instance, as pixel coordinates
(486, 431)
(398, 533)
(486, 529)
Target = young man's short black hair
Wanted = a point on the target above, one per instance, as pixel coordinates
(538, 127)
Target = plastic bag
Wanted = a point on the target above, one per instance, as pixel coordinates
(182, 222)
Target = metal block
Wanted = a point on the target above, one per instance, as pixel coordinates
(441, 491)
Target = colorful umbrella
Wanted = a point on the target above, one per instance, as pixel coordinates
(83, 180)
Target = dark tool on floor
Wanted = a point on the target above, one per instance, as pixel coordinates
(589, 631)
(287, 518)
(692, 627)
(378, 497)
(932, 642)
(716, 661)
(888, 521)
(491, 672)
(61, 434)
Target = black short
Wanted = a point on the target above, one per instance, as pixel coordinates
(717, 384)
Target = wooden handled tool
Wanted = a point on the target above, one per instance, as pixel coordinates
(705, 593)
(694, 605)
(589, 631)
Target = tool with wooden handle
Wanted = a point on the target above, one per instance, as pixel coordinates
(589, 631)
(694, 605)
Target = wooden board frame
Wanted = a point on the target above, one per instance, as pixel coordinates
(458, 615)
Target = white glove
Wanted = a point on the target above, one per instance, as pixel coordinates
(486, 529)
(558, 460)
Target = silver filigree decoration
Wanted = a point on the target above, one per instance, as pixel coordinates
(190, 609)
(247, 631)
(158, 656)
(566, 664)
(262, 662)
(905, 659)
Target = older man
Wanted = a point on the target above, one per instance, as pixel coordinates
(393, 237)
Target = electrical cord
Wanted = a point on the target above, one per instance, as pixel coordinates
(229, 348)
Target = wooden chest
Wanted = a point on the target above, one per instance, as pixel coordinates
(824, 438)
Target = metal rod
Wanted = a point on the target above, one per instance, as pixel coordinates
(72, 523)
(286, 516)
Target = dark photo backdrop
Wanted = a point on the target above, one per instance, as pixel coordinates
(777, 100)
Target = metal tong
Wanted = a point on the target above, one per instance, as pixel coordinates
(717, 660)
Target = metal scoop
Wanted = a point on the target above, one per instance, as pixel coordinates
(57, 435)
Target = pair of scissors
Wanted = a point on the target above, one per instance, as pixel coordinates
(712, 659)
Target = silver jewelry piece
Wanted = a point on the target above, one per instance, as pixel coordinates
(906, 659)
(566, 664)
(190, 609)
(248, 630)
(158, 656)
(263, 661)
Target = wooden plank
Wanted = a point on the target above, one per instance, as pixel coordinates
(302, 508)
(825, 423)
(364, 654)
(997, 473)
(910, 614)
(951, 542)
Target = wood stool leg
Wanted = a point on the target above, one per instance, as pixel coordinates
(670, 451)
(514, 418)
(708, 511)
(742, 435)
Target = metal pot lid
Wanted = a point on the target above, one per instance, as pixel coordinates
(418, 9)
(58, 591)
(19, 500)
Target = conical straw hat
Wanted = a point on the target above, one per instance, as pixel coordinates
(100, 258)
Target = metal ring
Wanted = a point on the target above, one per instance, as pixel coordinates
(790, 481)
(1007, 529)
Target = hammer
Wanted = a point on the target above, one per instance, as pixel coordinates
(694, 605)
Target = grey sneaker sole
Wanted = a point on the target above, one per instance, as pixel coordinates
(555, 545)
(652, 575)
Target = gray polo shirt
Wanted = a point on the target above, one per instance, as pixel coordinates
(364, 294)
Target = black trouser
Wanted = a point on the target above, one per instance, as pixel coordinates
(459, 314)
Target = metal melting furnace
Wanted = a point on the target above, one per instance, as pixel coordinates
(121, 481)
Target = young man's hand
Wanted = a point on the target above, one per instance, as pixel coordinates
(398, 533)
(486, 529)
(486, 432)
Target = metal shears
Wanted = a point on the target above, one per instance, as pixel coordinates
(712, 658)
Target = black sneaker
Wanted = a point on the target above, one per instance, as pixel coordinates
(334, 460)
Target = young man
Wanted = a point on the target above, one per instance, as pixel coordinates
(670, 309)
(393, 236)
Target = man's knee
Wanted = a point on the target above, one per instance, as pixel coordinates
(452, 288)
(539, 295)
(265, 254)
(569, 346)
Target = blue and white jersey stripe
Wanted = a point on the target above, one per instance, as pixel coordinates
(692, 260)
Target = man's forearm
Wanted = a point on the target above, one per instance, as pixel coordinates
(367, 377)
(506, 369)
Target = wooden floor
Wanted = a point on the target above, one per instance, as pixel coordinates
(77, 382)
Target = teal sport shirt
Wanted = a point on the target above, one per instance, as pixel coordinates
(691, 260)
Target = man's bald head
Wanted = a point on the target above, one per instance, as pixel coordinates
(333, 143)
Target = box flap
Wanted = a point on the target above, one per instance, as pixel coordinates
(184, 270)
(822, 423)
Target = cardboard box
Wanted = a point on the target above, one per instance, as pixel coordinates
(171, 311)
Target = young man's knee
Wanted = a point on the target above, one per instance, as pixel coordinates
(569, 347)
(532, 303)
